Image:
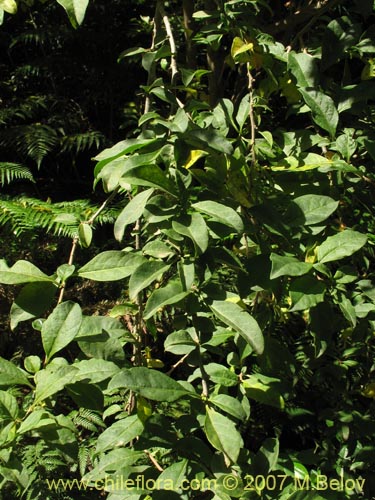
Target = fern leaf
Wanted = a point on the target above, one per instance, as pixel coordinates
(82, 142)
(12, 171)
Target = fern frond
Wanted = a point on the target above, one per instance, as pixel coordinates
(82, 142)
(36, 38)
(83, 459)
(88, 419)
(13, 171)
(28, 71)
(29, 109)
(25, 214)
(32, 141)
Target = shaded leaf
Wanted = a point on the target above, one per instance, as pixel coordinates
(149, 383)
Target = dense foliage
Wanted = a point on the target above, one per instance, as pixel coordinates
(236, 359)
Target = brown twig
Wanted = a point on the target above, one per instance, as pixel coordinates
(154, 461)
(179, 362)
(75, 239)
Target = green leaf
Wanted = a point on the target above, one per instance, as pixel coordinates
(243, 112)
(32, 302)
(75, 9)
(221, 375)
(9, 6)
(323, 109)
(21, 272)
(306, 292)
(222, 434)
(310, 209)
(85, 234)
(343, 244)
(52, 380)
(348, 310)
(220, 213)
(287, 266)
(229, 405)
(267, 457)
(10, 374)
(241, 321)
(173, 475)
(111, 265)
(95, 370)
(158, 250)
(144, 275)
(339, 36)
(302, 163)
(264, 389)
(37, 420)
(208, 139)
(304, 68)
(8, 407)
(86, 395)
(148, 175)
(169, 294)
(61, 327)
(149, 383)
(133, 211)
(119, 434)
(180, 343)
(113, 461)
(194, 227)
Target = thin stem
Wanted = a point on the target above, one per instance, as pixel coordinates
(172, 43)
(70, 262)
(75, 239)
(251, 114)
(151, 73)
(154, 461)
(179, 362)
(102, 206)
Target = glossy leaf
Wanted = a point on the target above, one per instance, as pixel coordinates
(111, 265)
(230, 405)
(52, 380)
(221, 375)
(8, 407)
(304, 68)
(310, 209)
(21, 272)
(149, 383)
(221, 213)
(264, 389)
(119, 434)
(306, 292)
(61, 327)
(85, 234)
(75, 9)
(222, 434)
(144, 275)
(132, 211)
(161, 297)
(283, 265)
(323, 109)
(241, 321)
(95, 370)
(173, 475)
(10, 374)
(194, 227)
(9, 6)
(343, 244)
